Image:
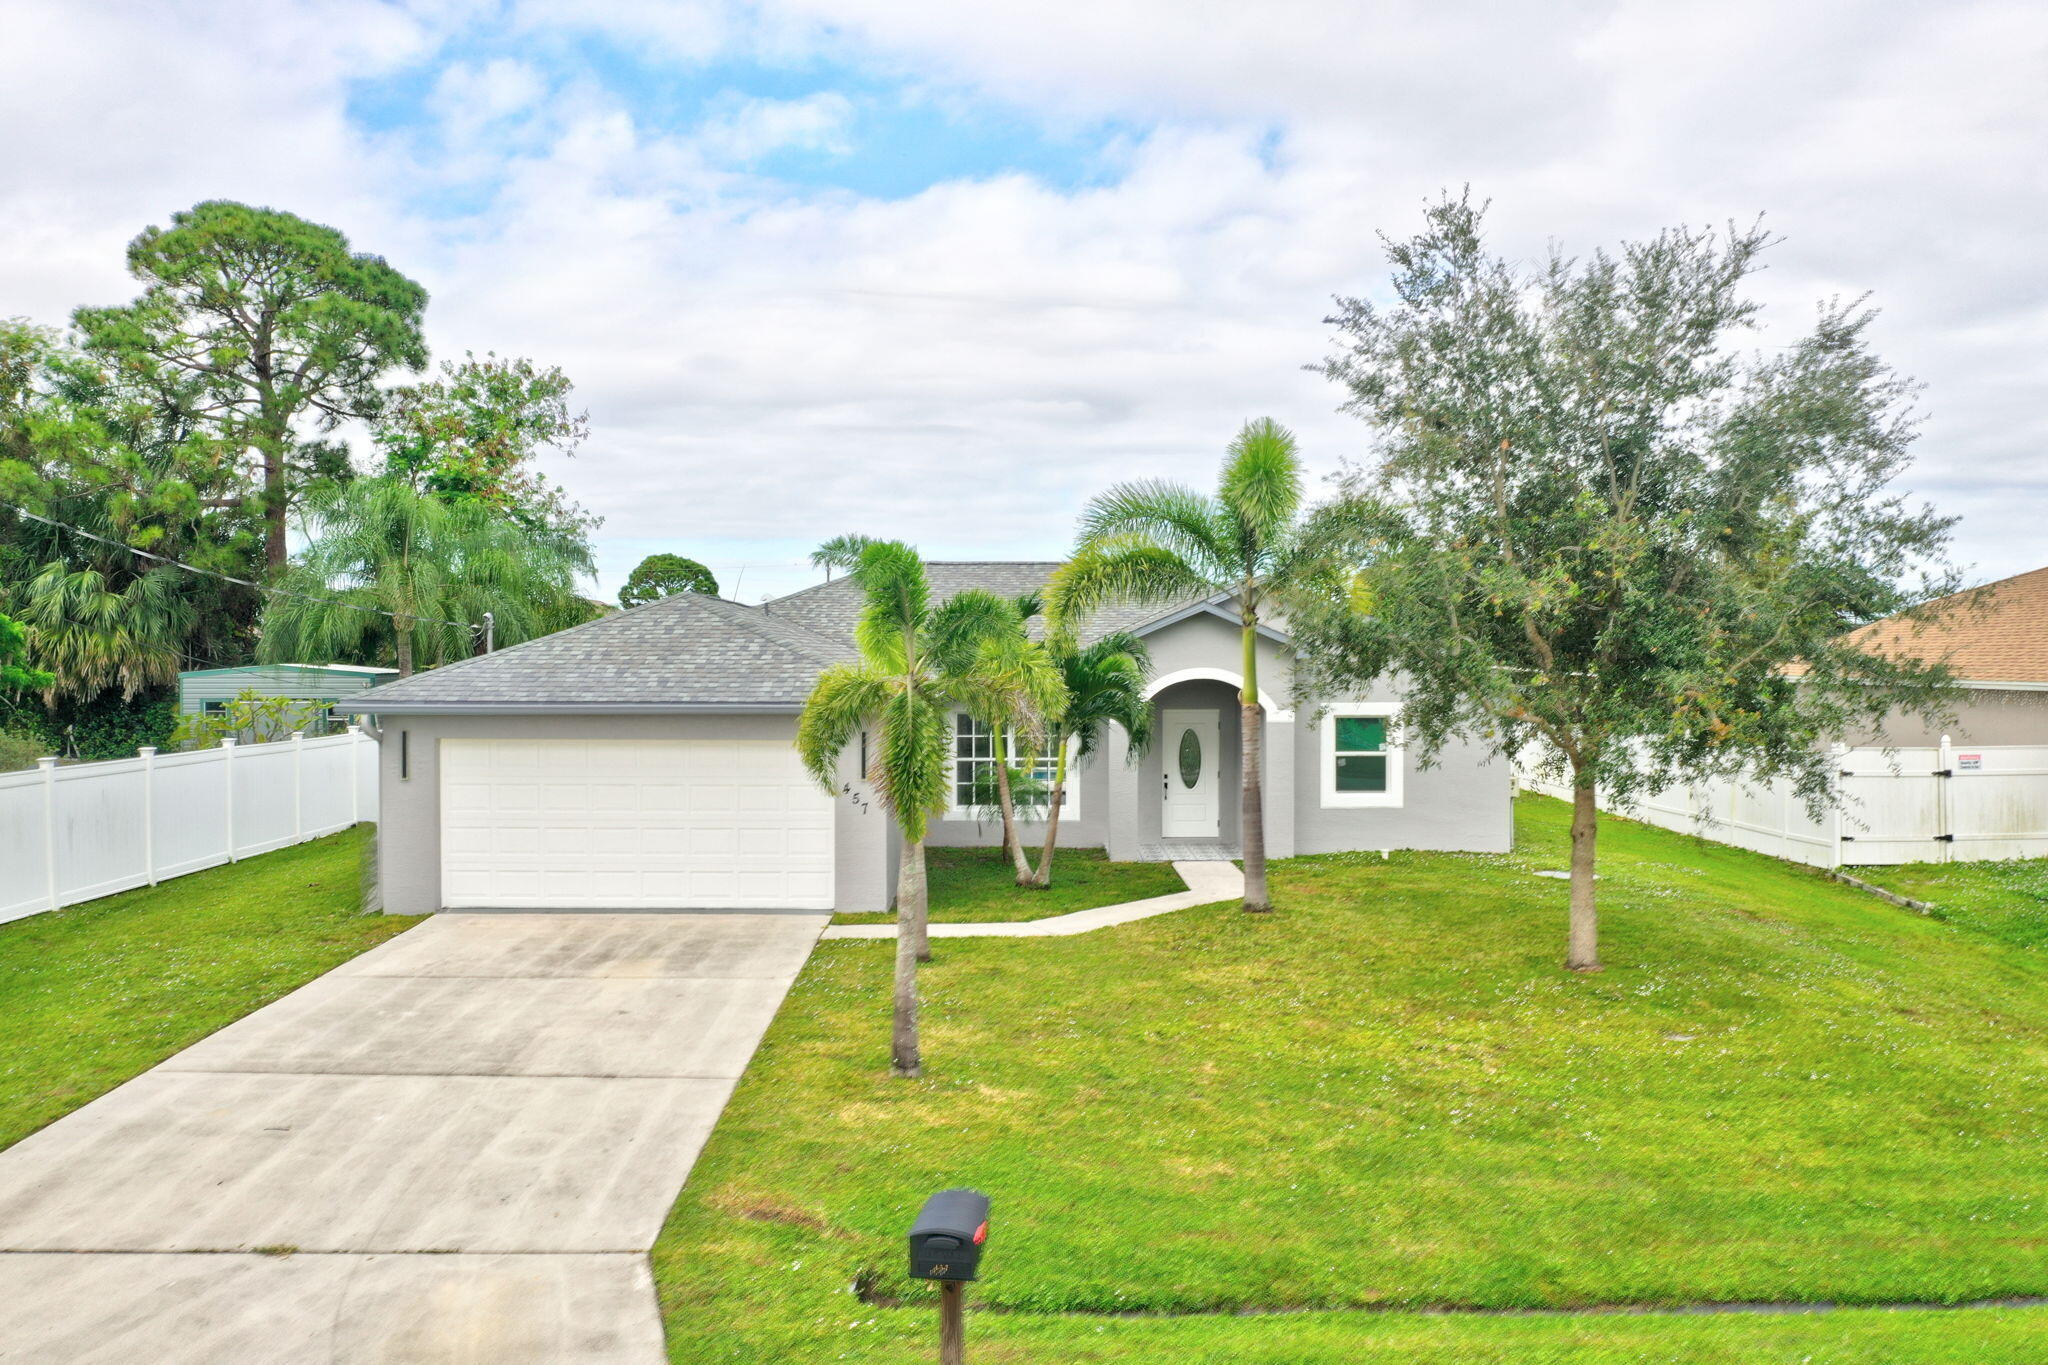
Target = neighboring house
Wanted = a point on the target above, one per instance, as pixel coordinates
(1972, 787)
(211, 689)
(647, 759)
(1997, 648)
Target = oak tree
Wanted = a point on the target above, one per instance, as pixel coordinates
(1599, 523)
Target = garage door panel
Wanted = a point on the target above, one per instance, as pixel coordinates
(810, 843)
(664, 798)
(613, 841)
(661, 824)
(714, 798)
(761, 843)
(714, 841)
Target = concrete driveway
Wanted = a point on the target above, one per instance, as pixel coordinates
(457, 1147)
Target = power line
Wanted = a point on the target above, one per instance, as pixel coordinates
(240, 582)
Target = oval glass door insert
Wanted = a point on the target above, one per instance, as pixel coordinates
(1190, 758)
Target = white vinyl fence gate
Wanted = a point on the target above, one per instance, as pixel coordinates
(1952, 803)
(71, 834)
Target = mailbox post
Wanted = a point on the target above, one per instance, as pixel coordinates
(945, 1245)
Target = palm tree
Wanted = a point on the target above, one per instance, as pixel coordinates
(1019, 690)
(917, 662)
(98, 631)
(1155, 541)
(1104, 682)
(393, 573)
(117, 479)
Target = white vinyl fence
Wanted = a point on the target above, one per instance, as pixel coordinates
(70, 834)
(1926, 805)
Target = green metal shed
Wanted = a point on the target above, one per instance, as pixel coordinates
(209, 689)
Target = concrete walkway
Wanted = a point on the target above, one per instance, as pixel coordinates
(522, 1095)
(1207, 882)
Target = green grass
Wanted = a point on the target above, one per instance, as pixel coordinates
(1388, 1095)
(2007, 901)
(970, 885)
(100, 992)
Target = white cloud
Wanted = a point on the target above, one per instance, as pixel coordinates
(768, 365)
(470, 96)
(747, 129)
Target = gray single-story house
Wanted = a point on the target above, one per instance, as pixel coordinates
(647, 760)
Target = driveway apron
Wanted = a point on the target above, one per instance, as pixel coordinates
(457, 1147)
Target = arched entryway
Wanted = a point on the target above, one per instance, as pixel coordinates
(1189, 780)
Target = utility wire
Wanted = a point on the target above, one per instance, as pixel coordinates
(241, 582)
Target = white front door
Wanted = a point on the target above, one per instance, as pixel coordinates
(612, 824)
(1192, 757)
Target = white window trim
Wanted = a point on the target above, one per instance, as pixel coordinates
(955, 811)
(1326, 739)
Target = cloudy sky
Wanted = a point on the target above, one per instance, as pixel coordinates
(940, 270)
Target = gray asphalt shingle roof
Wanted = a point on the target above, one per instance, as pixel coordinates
(834, 607)
(683, 650)
(692, 650)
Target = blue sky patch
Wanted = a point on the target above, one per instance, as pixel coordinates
(900, 138)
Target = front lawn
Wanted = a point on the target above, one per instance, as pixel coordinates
(100, 992)
(2007, 901)
(1388, 1096)
(970, 885)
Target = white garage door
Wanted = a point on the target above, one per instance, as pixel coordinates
(632, 823)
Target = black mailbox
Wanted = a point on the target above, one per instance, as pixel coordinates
(946, 1239)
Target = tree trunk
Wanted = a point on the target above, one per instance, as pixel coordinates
(1013, 846)
(1252, 785)
(275, 510)
(920, 924)
(271, 448)
(1582, 954)
(911, 914)
(401, 628)
(1043, 877)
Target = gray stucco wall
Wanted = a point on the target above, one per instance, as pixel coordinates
(1984, 716)
(409, 815)
(1463, 802)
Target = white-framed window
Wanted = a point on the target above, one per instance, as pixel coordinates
(974, 756)
(1361, 761)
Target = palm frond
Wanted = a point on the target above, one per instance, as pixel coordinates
(909, 765)
(958, 629)
(840, 552)
(380, 544)
(845, 698)
(1012, 681)
(898, 602)
(1126, 568)
(1106, 683)
(1261, 488)
(1156, 512)
(94, 634)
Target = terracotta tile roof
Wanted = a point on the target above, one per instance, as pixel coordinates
(2002, 637)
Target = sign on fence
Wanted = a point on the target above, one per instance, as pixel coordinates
(71, 834)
